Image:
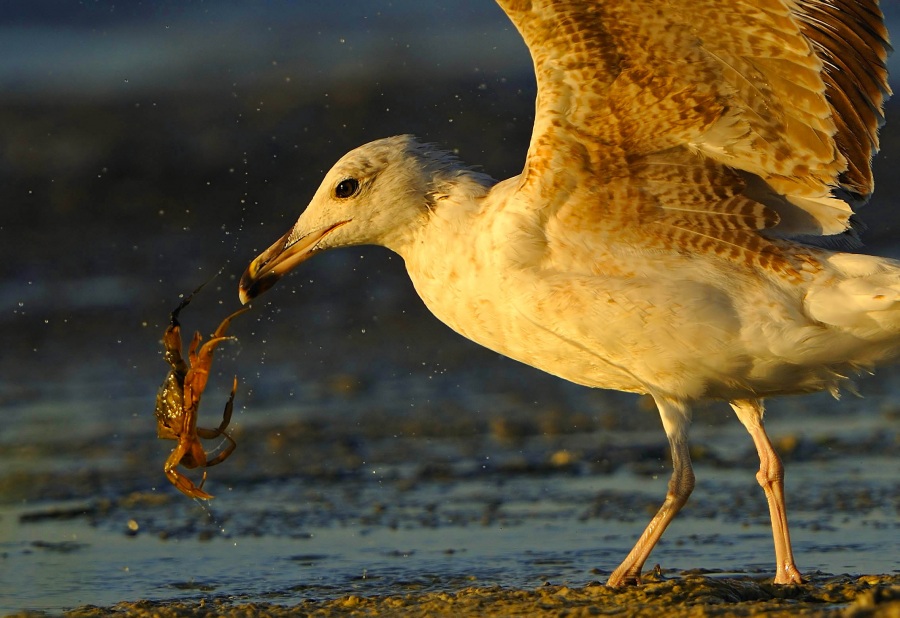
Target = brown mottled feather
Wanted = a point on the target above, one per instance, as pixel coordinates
(675, 107)
(855, 74)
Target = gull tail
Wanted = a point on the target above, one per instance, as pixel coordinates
(861, 298)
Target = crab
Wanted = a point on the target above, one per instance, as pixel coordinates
(178, 400)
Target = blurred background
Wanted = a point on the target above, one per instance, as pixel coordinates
(146, 146)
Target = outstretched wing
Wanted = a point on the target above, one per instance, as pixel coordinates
(708, 119)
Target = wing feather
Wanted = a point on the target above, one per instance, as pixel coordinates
(724, 117)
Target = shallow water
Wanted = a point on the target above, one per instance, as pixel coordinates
(81, 564)
(318, 503)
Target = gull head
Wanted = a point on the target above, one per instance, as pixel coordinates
(377, 194)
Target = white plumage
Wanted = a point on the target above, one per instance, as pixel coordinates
(649, 245)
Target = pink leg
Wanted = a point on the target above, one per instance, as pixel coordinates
(771, 478)
(676, 418)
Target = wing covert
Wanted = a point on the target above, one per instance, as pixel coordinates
(786, 96)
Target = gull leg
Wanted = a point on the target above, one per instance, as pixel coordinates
(771, 478)
(676, 419)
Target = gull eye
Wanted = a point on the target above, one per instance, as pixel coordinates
(346, 188)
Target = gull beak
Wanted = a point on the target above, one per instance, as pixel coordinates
(278, 260)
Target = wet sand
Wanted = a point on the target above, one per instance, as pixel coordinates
(688, 596)
(347, 503)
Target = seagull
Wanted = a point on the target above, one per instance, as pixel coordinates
(681, 226)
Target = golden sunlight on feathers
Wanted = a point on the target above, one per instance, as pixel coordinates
(660, 237)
